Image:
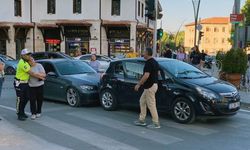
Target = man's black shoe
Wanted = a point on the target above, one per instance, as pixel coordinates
(21, 118)
(25, 116)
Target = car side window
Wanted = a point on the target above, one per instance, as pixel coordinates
(118, 70)
(49, 68)
(134, 70)
(39, 56)
(85, 58)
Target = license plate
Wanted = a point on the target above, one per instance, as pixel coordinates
(234, 105)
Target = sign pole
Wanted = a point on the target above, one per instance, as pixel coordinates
(155, 30)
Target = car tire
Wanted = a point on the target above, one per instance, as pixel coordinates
(108, 100)
(10, 71)
(72, 97)
(183, 111)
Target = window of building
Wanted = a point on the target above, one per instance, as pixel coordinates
(215, 40)
(207, 29)
(51, 6)
(216, 29)
(18, 8)
(223, 29)
(116, 7)
(142, 10)
(139, 8)
(77, 6)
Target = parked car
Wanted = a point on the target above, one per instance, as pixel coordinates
(10, 64)
(50, 55)
(104, 60)
(184, 91)
(71, 81)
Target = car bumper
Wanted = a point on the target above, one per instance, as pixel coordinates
(89, 97)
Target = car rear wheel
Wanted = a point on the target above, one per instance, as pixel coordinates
(108, 100)
(73, 98)
(10, 71)
(183, 110)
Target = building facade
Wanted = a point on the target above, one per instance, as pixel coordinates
(101, 26)
(216, 35)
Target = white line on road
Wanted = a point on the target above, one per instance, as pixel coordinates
(84, 135)
(243, 110)
(129, 128)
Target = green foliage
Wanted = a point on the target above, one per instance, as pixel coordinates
(234, 61)
(173, 40)
(246, 11)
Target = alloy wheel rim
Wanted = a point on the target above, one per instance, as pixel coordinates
(71, 96)
(107, 100)
(182, 111)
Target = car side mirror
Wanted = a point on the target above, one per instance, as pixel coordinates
(52, 74)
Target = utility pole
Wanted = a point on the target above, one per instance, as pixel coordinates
(155, 29)
(196, 6)
(236, 33)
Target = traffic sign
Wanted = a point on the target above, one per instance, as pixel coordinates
(235, 18)
(199, 27)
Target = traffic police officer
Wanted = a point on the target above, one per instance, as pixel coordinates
(21, 83)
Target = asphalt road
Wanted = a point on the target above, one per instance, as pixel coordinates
(92, 128)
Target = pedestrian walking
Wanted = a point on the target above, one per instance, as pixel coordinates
(149, 83)
(168, 52)
(95, 64)
(1, 77)
(36, 89)
(195, 57)
(23, 74)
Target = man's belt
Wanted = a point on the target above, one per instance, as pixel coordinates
(21, 81)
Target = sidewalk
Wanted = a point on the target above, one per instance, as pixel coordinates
(14, 138)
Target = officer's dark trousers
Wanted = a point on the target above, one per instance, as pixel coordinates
(36, 99)
(22, 93)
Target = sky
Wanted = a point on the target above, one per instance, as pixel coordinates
(177, 13)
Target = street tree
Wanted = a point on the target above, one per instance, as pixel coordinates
(246, 11)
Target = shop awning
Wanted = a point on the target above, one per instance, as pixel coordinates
(73, 23)
(4, 32)
(116, 23)
(47, 26)
(23, 25)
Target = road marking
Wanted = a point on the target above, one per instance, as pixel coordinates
(189, 128)
(97, 140)
(129, 128)
(244, 110)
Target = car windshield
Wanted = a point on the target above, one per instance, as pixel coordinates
(7, 58)
(73, 67)
(180, 69)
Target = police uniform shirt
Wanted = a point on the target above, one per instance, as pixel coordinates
(23, 68)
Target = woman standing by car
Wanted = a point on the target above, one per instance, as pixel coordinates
(1, 76)
(36, 89)
(181, 55)
(95, 64)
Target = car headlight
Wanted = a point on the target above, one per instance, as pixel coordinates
(207, 94)
(87, 87)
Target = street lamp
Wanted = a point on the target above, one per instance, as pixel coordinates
(196, 6)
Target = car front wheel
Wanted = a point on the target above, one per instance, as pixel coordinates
(183, 111)
(108, 100)
(72, 97)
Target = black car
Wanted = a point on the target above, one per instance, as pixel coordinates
(71, 81)
(183, 90)
(50, 55)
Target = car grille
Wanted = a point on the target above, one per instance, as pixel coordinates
(230, 97)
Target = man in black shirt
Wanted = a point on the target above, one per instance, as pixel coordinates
(195, 57)
(149, 83)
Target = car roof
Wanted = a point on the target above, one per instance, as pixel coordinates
(158, 59)
(58, 60)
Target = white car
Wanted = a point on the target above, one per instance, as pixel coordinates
(104, 60)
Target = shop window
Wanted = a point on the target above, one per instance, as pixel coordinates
(77, 6)
(116, 7)
(3, 47)
(18, 8)
(51, 6)
(139, 8)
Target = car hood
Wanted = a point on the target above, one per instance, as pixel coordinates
(213, 84)
(88, 78)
